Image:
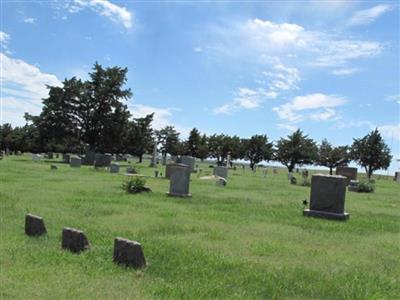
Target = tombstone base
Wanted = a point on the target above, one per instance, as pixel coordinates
(326, 215)
(179, 195)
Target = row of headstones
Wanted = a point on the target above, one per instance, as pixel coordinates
(126, 252)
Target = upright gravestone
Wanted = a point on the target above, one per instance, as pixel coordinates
(75, 161)
(90, 157)
(221, 171)
(114, 168)
(128, 253)
(348, 172)
(36, 157)
(50, 155)
(396, 176)
(353, 186)
(228, 161)
(74, 240)
(275, 170)
(179, 180)
(34, 225)
(327, 198)
(168, 170)
(189, 161)
(153, 161)
(102, 160)
(65, 158)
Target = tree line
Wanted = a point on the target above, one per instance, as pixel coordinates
(92, 115)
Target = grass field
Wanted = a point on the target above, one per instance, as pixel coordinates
(245, 241)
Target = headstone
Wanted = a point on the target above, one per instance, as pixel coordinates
(75, 161)
(189, 161)
(50, 155)
(293, 180)
(34, 225)
(36, 157)
(221, 181)
(128, 253)
(130, 170)
(120, 157)
(168, 169)
(221, 171)
(74, 240)
(153, 161)
(114, 168)
(53, 167)
(179, 180)
(396, 176)
(348, 172)
(156, 173)
(304, 173)
(65, 158)
(353, 185)
(327, 198)
(102, 160)
(275, 171)
(228, 161)
(90, 157)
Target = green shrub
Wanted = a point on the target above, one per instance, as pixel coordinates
(366, 187)
(135, 184)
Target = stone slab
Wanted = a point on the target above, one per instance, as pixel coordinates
(34, 225)
(128, 253)
(74, 240)
(325, 215)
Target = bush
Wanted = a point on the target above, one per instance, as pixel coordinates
(135, 184)
(366, 187)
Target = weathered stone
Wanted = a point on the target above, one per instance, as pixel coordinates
(65, 158)
(102, 160)
(130, 170)
(348, 172)
(75, 161)
(189, 161)
(275, 171)
(293, 180)
(90, 157)
(179, 180)
(36, 157)
(168, 169)
(221, 171)
(396, 176)
(128, 253)
(114, 168)
(221, 181)
(53, 167)
(353, 186)
(50, 155)
(304, 173)
(327, 198)
(34, 225)
(74, 240)
(153, 161)
(156, 173)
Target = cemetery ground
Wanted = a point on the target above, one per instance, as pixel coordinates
(243, 241)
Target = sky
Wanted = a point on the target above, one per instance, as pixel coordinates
(330, 68)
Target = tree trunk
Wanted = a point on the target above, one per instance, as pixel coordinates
(330, 171)
(140, 158)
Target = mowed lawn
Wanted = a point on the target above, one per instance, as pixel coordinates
(248, 240)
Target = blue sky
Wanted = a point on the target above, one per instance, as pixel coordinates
(330, 68)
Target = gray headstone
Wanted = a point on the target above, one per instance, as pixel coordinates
(179, 180)
(50, 155)
(396, 176)
(327, 198)
(168, 169)
(90, 157)
(221, 181)
(75, 161)
(275, 171)
(65, 158)
(153, 161)
(156, 173)
(353, 186)
(130, 170)
(128, 253)
(74, 240)
(221, 171)
(188, 160)
(293, 180)
(34, 225)
(348, 172)
(53, 167)
(114, 168)
(102, 160)
(36, 157)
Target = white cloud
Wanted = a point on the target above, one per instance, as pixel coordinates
(4, 37)
(105, 8)
(390, 131)
(287, 127)
(29, 20)
(394, 98)
(23, 86)
(244, 98)
(367, 16)
(317, 107)
(262, 38)
(197, 49)
(282, 78)
(345, 71)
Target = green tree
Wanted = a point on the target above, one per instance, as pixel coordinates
(193, 143)
(297, 148)
(371, 152)
(140, 136)
(203, 151)
(332, 157)
(257, 149)
(168, 138)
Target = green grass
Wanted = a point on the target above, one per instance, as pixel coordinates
(248, 240)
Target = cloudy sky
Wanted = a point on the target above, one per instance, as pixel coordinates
(330, 68)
